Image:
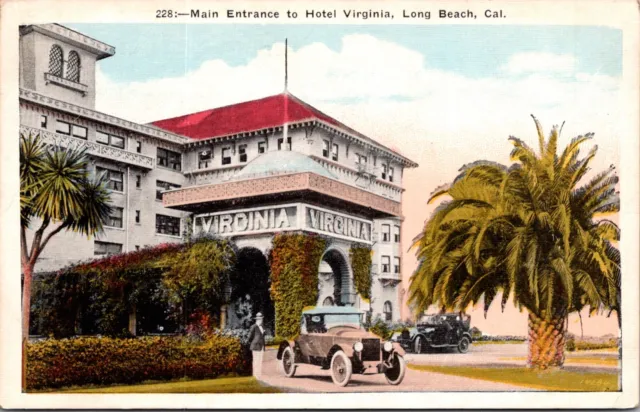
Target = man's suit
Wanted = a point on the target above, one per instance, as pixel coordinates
(256, 344)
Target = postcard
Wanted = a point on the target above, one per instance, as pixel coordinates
(352, 204)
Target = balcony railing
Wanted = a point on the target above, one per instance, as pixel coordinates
(79, 87)
(94, 149)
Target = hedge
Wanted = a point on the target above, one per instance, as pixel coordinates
(294, 260)
(105, 361)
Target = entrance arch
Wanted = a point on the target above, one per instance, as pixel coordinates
(250, 278)
(335, 279)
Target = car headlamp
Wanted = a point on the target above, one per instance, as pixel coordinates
(358, 346)
(388, 346)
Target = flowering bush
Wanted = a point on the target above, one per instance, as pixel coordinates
(55, 363)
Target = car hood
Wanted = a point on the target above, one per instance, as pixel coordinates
(346, 332)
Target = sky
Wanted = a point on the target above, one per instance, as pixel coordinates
(442, 95)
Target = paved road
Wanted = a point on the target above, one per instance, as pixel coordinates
(313, 379)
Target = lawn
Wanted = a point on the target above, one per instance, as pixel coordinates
(220, 385)
(551, 380)
(582, 360)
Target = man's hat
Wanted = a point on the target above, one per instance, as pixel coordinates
(259, 316)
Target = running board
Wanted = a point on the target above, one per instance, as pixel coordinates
(443, 346)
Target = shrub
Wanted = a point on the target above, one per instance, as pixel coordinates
(570, 345)
(105, 361)
(586, 345)
(380, 328)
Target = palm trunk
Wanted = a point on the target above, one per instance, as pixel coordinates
(546, 341)
(27, 270)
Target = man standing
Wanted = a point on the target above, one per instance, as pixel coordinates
(256, 344)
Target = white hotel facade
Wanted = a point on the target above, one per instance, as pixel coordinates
(246, 171)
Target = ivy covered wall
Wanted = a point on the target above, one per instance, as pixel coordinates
(360, 257)
(294, 259)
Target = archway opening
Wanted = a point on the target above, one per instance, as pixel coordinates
(250, 283)
(335, 284)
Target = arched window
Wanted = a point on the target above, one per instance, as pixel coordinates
(73, 67)
(55, 60)
(328, 301)
(388, 311)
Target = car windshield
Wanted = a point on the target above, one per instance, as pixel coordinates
(323, 322)
(431, 320)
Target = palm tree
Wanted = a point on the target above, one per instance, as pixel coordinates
(529, 231)
(55, 191)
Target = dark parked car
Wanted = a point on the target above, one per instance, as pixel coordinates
(334, 338)
(450, 330)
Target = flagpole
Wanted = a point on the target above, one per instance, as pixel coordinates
(285, 127)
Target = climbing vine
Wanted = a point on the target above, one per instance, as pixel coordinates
(360, 256)
(294, 260)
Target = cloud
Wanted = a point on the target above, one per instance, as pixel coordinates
(540, 62)
(440, 119)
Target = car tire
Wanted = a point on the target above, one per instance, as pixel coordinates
(463, 345)
(395, 375)
(419, 344)
(341, 368)
(287, 362)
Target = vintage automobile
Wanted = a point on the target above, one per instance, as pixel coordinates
(449, 330)
(334, 338)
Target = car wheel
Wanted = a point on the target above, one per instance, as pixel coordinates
(341, 368)
(287, 362)
(395, 374)
(463, 345)
(418, 345)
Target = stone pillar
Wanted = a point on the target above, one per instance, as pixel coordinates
(223, 316)
(132, 321)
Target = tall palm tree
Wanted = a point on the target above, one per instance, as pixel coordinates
(530, 231)
(57, 193)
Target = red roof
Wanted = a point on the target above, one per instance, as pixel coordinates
(265, 113)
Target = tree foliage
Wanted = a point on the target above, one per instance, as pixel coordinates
(532, 230)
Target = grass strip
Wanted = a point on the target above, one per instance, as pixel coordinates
(551, 380)
(221, 385)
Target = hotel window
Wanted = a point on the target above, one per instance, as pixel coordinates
(138, 146)
(115, 218)
(167, 225)
(242, 149)
(262, 147)
(137, 247)
(386, 233)
(43, 121)
(226, 156)
(79, 131)
(204, 157)
(73, 67)
(114, 178)
(384, 171)
(396, 233)
(110, 140)
(388, 311)
(391, 174)
(325, 148)
(162, 186)
(334, 152)
(55, 60)
(362, 159)
(386, 263)
(63, 127)
(138, 181)
(396, 265)
(167, 158)
(137, 216)
(281, 142)
(106, 248)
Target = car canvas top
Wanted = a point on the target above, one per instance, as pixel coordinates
(333, 310)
